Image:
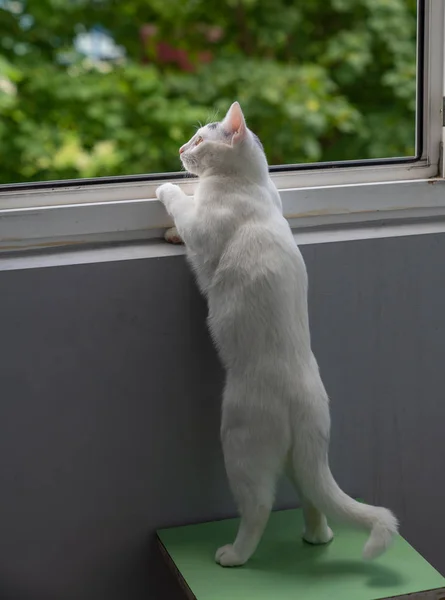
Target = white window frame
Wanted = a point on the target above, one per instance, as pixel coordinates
(334, 196)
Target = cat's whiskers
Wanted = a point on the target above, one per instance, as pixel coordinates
(212, 116)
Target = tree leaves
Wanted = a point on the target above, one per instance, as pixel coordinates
(319, 80)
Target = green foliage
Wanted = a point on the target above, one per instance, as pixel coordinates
(318, 80)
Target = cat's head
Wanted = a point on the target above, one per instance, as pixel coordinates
(227, 147)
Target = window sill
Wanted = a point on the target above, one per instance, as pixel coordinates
(159, 249)
(336, 207)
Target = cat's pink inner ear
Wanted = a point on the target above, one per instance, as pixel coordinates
(234, 122)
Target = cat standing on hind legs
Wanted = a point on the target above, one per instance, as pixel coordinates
(275, 410)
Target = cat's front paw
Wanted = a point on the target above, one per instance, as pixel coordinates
(172, 236)
(227, 556)
(166, 191)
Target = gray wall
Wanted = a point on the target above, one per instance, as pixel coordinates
(110, 409)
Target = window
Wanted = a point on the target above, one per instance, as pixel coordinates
(96, 96)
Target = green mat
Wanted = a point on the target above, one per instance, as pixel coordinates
(286, 568)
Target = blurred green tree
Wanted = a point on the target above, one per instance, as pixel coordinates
(318, 80)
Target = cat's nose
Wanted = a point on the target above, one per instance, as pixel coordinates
(181, 149)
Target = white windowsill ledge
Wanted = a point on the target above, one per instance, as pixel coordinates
(160, 249)
(352, 205)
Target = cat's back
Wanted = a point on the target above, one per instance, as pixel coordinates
(258, 296)
(261, 264)
(246, 241)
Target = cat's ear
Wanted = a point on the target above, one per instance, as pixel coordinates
(235, 124)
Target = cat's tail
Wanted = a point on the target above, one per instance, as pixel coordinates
(320, 487)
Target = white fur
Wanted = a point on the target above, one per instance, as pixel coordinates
(275, 412)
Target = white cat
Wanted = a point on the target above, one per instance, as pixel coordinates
(275, 412)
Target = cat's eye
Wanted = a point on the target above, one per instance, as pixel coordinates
(198, 141)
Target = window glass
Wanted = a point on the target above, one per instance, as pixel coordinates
(93, 88)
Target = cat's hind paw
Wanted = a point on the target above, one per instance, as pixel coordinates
(321, 535)
(227, 556)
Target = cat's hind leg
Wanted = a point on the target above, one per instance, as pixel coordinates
(316, 529)
(310, 461)
(253, 457)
